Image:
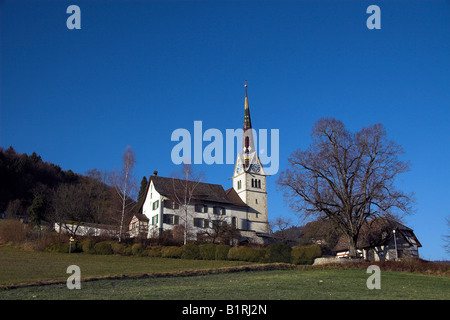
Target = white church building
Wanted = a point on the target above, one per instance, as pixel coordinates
(200, 206)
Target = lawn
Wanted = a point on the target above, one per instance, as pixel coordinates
(18, 266)
(255, 285)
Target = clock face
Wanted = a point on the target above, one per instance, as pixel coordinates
(256, 167)
(238, 169)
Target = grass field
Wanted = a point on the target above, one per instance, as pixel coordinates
(18, 266)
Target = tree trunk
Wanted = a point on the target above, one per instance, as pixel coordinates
(352, 249)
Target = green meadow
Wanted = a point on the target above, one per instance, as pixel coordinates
(133, 278)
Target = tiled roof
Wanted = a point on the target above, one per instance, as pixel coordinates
(377, 232)
(202, 192)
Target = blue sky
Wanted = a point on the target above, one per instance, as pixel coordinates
(138, 70)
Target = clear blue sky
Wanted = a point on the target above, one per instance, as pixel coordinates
(138, 70)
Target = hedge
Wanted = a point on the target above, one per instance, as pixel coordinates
(87, 246)
(63, 247)
(222, 252)
(171, 252)
(59, 247)
(278, 253)
(208, 251)
(137, 249)
(103, 247)
(190, 251)
(118, 248)
(306, 254)
(153, 251)
(246, 254)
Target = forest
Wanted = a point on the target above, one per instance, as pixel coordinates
(41, 193)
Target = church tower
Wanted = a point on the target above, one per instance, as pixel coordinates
(249, 179)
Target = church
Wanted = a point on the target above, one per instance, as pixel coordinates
(200, 207)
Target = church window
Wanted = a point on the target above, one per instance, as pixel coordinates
(256, 201)
(259, 184)
(239, 184)
(253, 183)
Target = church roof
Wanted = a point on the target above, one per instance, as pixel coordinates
(234, 197)
(202, 192)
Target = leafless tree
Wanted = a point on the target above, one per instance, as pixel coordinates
(281, 225)
(184, 186)
(98, 191)
(447, 237)
(125, 185)
(71, 206)
(346, 177)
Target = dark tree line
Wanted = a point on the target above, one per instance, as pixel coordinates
(41, 192)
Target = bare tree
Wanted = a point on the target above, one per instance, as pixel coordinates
(184, 185)
(281, 225)
(346, 177)
(71, 206)
(447, 237)
(125, 185)
(98, 191)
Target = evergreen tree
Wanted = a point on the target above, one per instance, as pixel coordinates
(37, 210)
(140, 199)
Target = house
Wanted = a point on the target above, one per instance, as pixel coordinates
(202, 207)
(382, 239)
(138, 226)
(86, 229)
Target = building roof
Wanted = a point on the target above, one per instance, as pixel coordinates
(141, 217)
(379, 231)
(201, 192)
(234, 197)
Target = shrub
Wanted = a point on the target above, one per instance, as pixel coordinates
(208, 251)
(246, 254)
(153, 251)
(137, 249)
(190, 251)
(59, 247)
(222, 252)
(278, 253)
(103, 247)
(118, 248)
(128, 251)
(87, 246)
(305, 254)
(171, 252)
(13, 231)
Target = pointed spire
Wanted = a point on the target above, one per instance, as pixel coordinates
(248, 145)
(247, 120)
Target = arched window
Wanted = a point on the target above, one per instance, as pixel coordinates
(259, 184)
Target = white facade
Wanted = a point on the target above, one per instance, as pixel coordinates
(163, 214)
